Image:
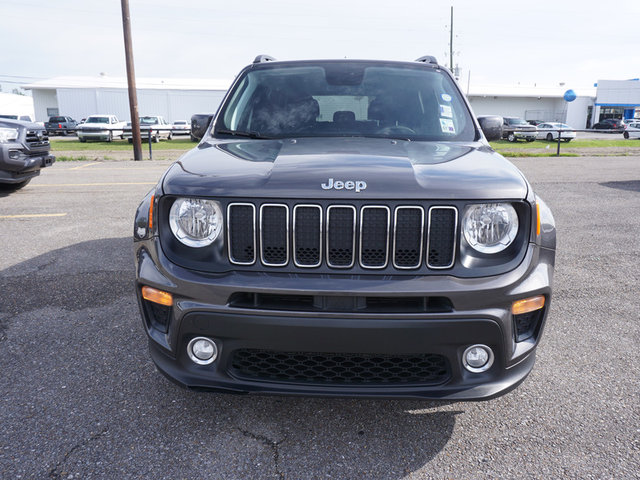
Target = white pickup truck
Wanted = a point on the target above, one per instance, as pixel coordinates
(100, 127)
(152, 127)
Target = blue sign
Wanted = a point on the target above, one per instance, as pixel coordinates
(570, 95)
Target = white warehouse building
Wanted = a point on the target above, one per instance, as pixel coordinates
(546, 104)
(79, 97)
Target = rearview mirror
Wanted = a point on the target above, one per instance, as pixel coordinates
(199, 124)
(491, 126)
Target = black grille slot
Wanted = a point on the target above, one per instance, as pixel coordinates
(307, 235)
(340, 368)
(324, 303)
(409, 228)
(241, 228)
(341, 236)
(442, 234)
(374, 237)
(274, 220)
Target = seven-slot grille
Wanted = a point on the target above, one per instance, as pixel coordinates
(373, 236)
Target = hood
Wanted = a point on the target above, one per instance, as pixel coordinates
(344, 168)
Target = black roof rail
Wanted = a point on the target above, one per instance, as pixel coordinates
(264, 58)
(428, 59)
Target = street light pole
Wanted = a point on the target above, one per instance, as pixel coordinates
(131, 81)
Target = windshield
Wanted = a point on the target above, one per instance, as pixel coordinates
(346, 99)
(148, 120)
(516, 121)
(97, 120)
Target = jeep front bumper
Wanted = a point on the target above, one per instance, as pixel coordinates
(287, 344)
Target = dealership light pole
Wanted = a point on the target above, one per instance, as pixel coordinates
(131, 81)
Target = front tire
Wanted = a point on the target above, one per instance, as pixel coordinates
(110, 137)
(549, 137)
(512, 138)
(626, 135)
(82, 139)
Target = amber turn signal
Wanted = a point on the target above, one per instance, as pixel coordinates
(527, 305)
(157, 296)
(537, 218)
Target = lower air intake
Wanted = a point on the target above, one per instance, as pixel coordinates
(339, 368)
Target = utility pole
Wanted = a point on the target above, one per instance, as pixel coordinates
(451, 42)
(131, 81)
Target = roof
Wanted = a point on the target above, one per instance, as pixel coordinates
(104, 81)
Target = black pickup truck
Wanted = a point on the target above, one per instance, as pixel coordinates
(344, 228)
(61, 125)
(24, 150)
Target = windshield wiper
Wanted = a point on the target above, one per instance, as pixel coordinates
(237, 133)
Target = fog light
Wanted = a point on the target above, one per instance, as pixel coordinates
(202, 350)
(477, 358)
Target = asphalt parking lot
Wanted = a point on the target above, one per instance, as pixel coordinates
(81, 398)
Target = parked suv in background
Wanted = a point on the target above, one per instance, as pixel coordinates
(514, 129)
(24, 150)
(60, 125)
(344, 228)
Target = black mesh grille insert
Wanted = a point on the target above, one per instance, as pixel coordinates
(241, 234)
(442, 228)
(375, 235)
(274, 234)
(340, 368)
(341, 235)
(307, 235)
(408, 241)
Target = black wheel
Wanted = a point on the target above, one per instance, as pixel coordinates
(12, 187)
(82, 139)
(512, 137)
(170, 137)
(626, 135)
(110, 137)
(130, 140)
(549, 137)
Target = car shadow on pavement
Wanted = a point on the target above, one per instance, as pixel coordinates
(78, 382)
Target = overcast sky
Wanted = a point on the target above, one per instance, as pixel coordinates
(510, 42)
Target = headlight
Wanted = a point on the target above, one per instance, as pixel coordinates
(490, 227)
(8, 134)
(196, 222)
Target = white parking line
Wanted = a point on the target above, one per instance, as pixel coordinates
(110, 184)
(34, 215)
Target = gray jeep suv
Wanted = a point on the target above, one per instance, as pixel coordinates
(344, 228)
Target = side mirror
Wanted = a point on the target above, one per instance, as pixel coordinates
(491, 126)
(199, 124)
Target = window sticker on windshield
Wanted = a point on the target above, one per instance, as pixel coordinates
(446, 97)
(445, 111)
(447, 125)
